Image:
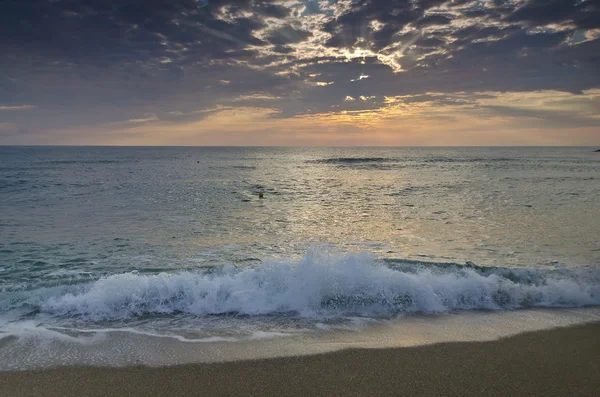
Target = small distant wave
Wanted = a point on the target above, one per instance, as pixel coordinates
(235, 167)
(352, 160)
(469, 159)
(370, 163)
(392, 162)
(66, 162)
(437, 159)
(317, 285)
(16, 185)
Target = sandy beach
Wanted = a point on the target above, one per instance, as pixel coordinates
(557, 362)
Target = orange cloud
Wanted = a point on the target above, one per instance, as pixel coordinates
(489, 118)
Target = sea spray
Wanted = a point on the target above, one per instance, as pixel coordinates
(318, 285)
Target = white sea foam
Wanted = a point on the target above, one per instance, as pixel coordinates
(32, 329)
(129, 330)
(315, 286)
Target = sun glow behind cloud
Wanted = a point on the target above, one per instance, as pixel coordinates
(485, 118)
(301, 72)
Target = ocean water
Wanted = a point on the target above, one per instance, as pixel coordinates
(176, 243)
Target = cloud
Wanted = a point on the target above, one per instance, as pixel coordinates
(543, 12)
(18, 107)
(361, 77)
(258, 96)
(146, 119)
(430, 119)
(433, 20)
(323, 83)
(287, 35)
(184, 61)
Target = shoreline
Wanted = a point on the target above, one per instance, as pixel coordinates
(556, 362)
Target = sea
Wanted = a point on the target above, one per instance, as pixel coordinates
(168, 255)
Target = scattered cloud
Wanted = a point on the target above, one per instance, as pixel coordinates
(528, 64)
(361, 77)
(264, 97)
(18, 107)
(146, 119)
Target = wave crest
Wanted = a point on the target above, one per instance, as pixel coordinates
(320, 285)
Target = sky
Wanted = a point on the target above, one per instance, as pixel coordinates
(300, 72)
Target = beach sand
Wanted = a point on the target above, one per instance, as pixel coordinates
(557, 362)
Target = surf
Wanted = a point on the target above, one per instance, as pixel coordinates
(318, 285)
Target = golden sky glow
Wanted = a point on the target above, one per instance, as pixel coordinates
(485, 121)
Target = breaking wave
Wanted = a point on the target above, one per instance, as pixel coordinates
(317, 285)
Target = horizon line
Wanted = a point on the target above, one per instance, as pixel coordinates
(303, 146)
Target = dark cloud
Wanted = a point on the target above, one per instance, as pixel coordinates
(548, 118)
(542, 12)
(432, 20)
(430, 42)
(281, 49)
(478, 32)
(287, 35)
(273, 10)
(115, 32)
(354, 25)
(583, 14)
(588, 15)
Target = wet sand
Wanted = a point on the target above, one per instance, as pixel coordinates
(558, 362)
